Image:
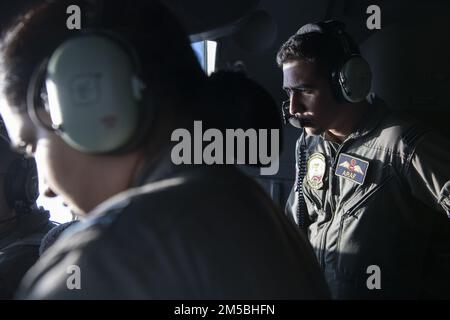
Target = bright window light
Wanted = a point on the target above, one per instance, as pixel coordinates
(58, 211)
(206, 52)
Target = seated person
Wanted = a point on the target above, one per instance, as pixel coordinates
(22, 223)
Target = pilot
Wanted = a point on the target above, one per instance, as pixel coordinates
(22, 223)
(102, 105)
(372, 186)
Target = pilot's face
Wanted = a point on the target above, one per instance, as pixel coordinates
(310, 94)
(62, 168)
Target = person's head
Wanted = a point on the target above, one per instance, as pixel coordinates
(321, 70)
(158, 51)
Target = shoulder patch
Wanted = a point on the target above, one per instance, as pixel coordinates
(315, 171)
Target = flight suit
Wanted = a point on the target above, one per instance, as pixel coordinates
(377, 206)
(183, 232)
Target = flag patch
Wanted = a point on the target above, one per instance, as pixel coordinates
(352, 168)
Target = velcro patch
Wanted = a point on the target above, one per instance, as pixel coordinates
(352, 168)
(315, 170)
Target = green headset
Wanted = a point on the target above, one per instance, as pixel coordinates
(351, 77)
(91, 86)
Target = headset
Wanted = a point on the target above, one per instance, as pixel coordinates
(351, 77)
(21, 184)
(92, 89)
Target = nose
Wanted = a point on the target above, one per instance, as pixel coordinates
(295, 105)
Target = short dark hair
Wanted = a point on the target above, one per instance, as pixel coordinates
(321, 48)
(167, 59)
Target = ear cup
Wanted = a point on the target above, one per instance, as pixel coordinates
(351, 78)
(94, 93)
(354, 79)
(21, 183)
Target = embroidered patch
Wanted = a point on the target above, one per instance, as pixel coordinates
(315, 170)
(352, 168)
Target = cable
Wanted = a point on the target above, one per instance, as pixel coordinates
(302, 211)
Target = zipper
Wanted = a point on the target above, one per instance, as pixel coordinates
(356, 206)
(323, 241)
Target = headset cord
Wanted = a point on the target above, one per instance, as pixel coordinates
(301, 207)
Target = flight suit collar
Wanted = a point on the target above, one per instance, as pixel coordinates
(161, 167)
(376, 112)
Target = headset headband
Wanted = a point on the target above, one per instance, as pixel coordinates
(334, 28)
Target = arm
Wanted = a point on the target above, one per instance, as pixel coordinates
(428, 172)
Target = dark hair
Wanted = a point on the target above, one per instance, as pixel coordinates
(241, 98)
(170, 67)
(242, 103)
(167, 60)
(321, 48)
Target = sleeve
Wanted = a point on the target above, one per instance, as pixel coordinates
(428, 173)
(92, 269)
(14, 263)
(97, 263)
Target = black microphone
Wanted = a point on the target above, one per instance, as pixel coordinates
(288, 117)
(445, 197)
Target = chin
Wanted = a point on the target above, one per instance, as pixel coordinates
(311, 131)
(75, 210)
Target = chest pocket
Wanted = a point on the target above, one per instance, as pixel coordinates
(315, 201)
(362, 195)
(361, 221)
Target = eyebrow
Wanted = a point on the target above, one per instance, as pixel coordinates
(299, 87)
